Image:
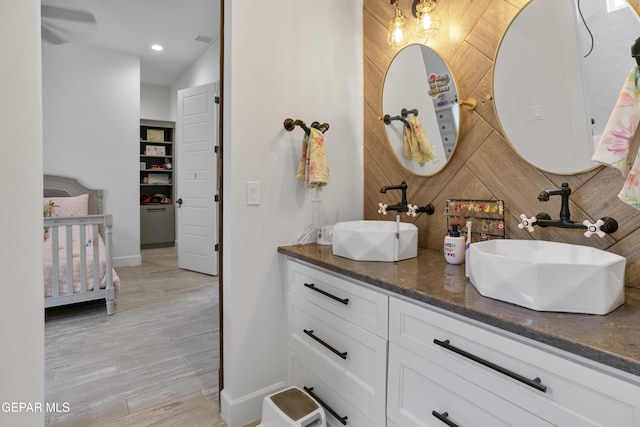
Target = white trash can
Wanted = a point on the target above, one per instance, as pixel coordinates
(291, 407)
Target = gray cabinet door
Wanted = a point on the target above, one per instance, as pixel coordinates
(157, 225)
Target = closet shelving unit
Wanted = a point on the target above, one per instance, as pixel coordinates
(157, 171)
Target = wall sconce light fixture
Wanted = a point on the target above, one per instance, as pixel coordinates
(427, 19)
(398, 34)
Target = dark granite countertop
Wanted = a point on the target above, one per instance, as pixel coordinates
(612, 339)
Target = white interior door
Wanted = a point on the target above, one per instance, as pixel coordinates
(197, 133)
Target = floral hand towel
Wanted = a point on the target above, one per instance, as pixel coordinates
(416, 146)
(312, 166)
(615, 143)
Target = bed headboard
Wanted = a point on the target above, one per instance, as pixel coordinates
(62, 186)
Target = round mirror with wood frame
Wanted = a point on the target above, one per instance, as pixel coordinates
(557, 75)
(419, 88)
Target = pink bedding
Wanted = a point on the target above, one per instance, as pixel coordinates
(88, 243)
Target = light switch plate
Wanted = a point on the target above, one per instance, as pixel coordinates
(538, 112)
(253, 193)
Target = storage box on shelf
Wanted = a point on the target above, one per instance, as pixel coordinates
(157, 215)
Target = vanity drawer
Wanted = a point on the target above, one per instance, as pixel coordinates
(355, 360)
(444, 115)
(594, 399)
(449, 141)
(446, 127)
(448, 150)
(351, 301)
(420, 390)
(340, 403)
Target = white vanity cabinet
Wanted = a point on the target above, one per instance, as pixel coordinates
(337, 344)
(375, 358)
(442, 364)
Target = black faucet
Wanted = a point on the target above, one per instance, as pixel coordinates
(404, 206)
(565, 215)
(543, 219)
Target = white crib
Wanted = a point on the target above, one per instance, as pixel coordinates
(77, 249)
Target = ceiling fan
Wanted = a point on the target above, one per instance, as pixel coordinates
(62, 24)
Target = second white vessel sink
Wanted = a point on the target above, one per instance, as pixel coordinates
(548, 276)
(375, 240)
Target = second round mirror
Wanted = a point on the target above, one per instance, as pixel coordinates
(419, 85)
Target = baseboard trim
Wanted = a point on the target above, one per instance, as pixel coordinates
(245, 409)
(127, 261)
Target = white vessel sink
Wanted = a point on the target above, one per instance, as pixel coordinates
(375, 240)
(548, 276)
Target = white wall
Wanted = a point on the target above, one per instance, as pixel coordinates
(155, 102)
(305, 62)
(204, 70)
(91, 110)
(21, 305)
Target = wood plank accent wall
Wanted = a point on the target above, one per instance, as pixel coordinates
(484, 165)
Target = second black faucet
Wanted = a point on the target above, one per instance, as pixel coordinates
(601, 227)
(403, 205)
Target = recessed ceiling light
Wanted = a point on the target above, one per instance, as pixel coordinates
(156, 47)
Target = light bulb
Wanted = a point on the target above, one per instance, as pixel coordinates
(398, 35)
(427, 21)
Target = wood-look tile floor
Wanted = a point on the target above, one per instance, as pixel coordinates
(153, 362)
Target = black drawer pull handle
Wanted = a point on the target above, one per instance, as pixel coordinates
(535, 383)
(444, 417)
(345, 301)
(342, 420)
(339, 353)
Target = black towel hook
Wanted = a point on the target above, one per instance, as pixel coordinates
(322, 127)
(290, 124)
(387, 119)
(635, 50)
(404, 113)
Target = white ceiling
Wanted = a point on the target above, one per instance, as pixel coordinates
(132, 26)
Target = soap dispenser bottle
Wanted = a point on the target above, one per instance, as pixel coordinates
(454, 246)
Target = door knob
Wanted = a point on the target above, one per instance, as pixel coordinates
(179, 202)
